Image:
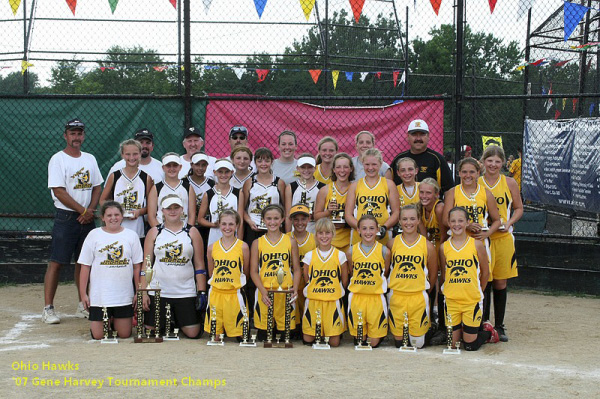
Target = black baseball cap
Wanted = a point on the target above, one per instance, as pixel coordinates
(191, 131)
(144, 134)
(75, 124)
(238, 129)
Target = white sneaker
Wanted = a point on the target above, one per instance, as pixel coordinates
(81, 312)
(49, 316)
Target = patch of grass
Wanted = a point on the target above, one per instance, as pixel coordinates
(522, 290)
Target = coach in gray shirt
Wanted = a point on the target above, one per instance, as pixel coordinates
(364, 141)
(284, 167)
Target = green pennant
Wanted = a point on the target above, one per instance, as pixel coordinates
(113, 5)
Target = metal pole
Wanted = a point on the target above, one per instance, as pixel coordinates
(326, 49)
(179, 77)
(26, 74)
(187, 66)
(526, 73)
(406, 57)
(583, 59)
(473, 103)
(458, 79)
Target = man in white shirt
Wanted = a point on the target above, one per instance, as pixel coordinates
(152, 166)
(75, 183)
(193, 142)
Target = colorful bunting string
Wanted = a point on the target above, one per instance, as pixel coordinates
(349, 76)
(573, 14)
(314, 74)
(335, 75)
(207, 4)
(14, 6)
(72, 5)
(262, 74)
(173, 3)
(492, 5)
(395, 75)
(436, 6)
(113, 5)
(307, 7)
(260, 6)
(24, 66)
(357, 6)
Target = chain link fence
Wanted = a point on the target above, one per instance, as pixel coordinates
(473, 74)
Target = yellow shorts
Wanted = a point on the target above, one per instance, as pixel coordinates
(467, 314)
(416, 305)
(374, 314)
(261, 312)
(301, 298)
(332, 317)
(228, 304)
(383, 240)
(504, 257)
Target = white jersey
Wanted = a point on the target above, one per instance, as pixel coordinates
(307, 196)
(134, 191)
(111, 257)
(153, 169)
(237, 183)
(200, 189)
(163, 189)
(77, 175)
(217, 204)
(359, 169)
(173, 263)
(186, 166)
(261, 195)
(285, 170)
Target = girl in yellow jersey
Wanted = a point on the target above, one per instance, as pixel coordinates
(414, 265)
(326, 274)
(471, 195)
(375, 195)
(408, 190)
(343, 174)
(369, 262)
(267, 253)
(228, 266)
(502, 242)
(465, 274)
(326, 150)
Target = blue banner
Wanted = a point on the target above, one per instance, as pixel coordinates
(561, 164)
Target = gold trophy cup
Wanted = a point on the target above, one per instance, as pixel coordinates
(261, 203)
(106, 329)
(147, 338)
(127, 204)
(213, 329)
(247, 341)
(406, 337)
(361, 345)
(318, 334)
(170, 335)
(450, 350)
(288, 312)
(475, 210)
(337, 215)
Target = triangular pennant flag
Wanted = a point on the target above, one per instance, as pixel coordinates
(207, 4)
(314, 73)
(239, 72)
(378, 75)
(357, 6)
(403, 78)
(556, 114)
(395, 75)
(72, 5)
(549, 104)
(307, 7)
(80, 69)
(335, 75)
(573, 14)
(14, 5)
(436, 5)
(363, 76)
(160, 68)
(523, 7)
(262, 74)
(592, 105)
(173, 3)
(113, 5)
(24, 66)
(561, 63)
(575, 100)
(492, 5)
(260, 6)
(538, 62)
(349, 76)
(564, 103)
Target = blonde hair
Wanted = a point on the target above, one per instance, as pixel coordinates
(494, 150)
(364, 132)
(325, 225)
(373, 152)
(411, 207)
(471, 161)
(366, 217)
(326, 139)
(232, 213)
(406, 159)
(130, 142)
(241, 149)
(432, 182)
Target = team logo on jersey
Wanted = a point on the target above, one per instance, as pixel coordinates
(459, 268)
(261, 203)
(198, 200)
(114, 255)
(83, 179)
(423, 169)
(324, 281)
(173, 253)
(458, 271)
(223, 270)
(365, 273)
(405, 269)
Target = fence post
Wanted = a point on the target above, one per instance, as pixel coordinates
(187, 66)
(526, 73)
(583, 60)
(26, 74)
(458, 80)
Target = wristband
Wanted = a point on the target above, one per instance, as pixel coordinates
(200, 271)
(84, 212)
(142, 273)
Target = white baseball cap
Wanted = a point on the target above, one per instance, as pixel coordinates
(167, 202)
(306, 161)
(418, 125)
(199, 157)
(171, 158)
(223, 163)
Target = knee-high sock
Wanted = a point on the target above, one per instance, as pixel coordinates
(499, 306)
(482, 337)
(487, 294)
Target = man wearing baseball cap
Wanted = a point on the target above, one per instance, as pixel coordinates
(238, 137)
(430, 163)
(74, 180)
(193, 142)
(150, 165)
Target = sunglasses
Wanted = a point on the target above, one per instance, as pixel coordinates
(239, 137)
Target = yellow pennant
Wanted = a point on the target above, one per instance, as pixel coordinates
(335, 75)
(24, 66)
(307, 7)
(564, 103)
(491, 140)
(14, 4)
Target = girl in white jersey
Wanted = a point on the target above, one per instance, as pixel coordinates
(241, 157)
(177, 253)
(303, 191)
(170, 185)
(199, 184)
(110, 259)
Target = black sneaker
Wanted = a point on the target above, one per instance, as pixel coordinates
(501, 333)
(438, 338)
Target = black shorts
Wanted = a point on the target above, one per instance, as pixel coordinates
(118, 312)
(183, 312)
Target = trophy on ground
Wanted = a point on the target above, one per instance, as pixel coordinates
(337, 215)
(147, 337)
(405, 338)
(361, 344)
(213, 329)
(475, 211)
(261, 203)
(247, 340)
(318, 334)
(170, 335)
(288, 312)
(449, 350)
(127, 203)
(106, 329)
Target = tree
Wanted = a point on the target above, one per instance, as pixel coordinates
(64, 77)
(13, 83)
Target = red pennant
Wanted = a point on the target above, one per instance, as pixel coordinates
(315, 73)
(561, 63)
(173, 3)
(357, 6)
(492, 5)
(436, 5)
(160, 68)
(538, 62)
(378, 75)
(575, 100)
(395, 75)
(262, 74)
(105, 68)
(556, 114)
(72, 5)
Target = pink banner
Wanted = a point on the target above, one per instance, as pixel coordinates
(266, 119)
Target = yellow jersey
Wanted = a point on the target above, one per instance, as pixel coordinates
(305, 246)
(368, 270)
(408, 268)
(373, 199)
(515, 169)
(503, 197)
(405, 198)
(461, 282)
(479, 200)
(228, 272)
(341, 238)
(324, 275)
(269, 257)
(432, 225)
(319, 176)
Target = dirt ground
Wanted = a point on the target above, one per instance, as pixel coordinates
(553, 353)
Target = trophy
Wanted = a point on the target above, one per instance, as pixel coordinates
(140, 336)
(127, 203)
(261, 203)
(449, 350)
(361, 345)
(502, 225)
(106, 328)
(288, 312)
(170, 336)
(337, 215)
(304, 200)
(318, 344)
(221, 206)
(399, 226)
(405, 338)
(475, 211)
(246, 339)
(369, 209)
(213, 329)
